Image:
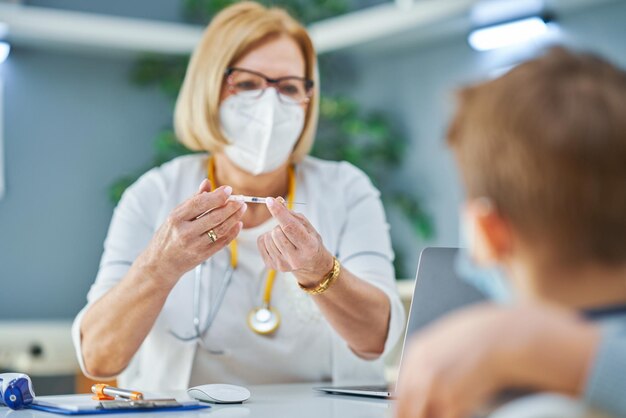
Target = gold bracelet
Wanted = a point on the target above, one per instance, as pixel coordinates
(326, 282)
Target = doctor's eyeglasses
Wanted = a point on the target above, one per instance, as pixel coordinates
(291, 90)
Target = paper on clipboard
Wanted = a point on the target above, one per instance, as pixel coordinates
(85, 404)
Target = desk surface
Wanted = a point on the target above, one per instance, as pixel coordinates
(267, 401)
(301, 401)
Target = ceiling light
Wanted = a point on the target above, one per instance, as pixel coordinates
(5, 48)
(508, 33)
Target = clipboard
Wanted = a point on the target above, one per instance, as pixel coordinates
(85, 405)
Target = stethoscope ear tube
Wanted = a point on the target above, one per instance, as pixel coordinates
(262, 320)
(200, 333)
(266, 319)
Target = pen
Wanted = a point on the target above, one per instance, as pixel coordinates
(103, 390)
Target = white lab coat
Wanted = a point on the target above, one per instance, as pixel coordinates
(341, 204)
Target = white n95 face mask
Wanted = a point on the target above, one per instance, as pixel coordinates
(262, 132)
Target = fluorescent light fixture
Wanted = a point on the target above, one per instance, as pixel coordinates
(5, 49)
(508, 34)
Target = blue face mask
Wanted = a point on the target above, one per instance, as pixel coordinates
(492, 282)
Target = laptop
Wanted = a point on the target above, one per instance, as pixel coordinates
(438, 291)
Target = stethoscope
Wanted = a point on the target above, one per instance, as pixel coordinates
(263, 320)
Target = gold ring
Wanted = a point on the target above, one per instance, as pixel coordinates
(212, 235)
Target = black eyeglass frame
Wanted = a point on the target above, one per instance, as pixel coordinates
(308, 83)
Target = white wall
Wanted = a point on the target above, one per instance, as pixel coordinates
(75, 123)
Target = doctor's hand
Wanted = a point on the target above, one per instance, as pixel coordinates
(183, 241)
(294, 246)
(456, 366)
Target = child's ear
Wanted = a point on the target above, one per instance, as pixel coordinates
(490, 234)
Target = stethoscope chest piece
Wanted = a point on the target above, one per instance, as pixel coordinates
(264, 320)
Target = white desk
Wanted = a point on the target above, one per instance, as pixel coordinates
(301, 401)
(267, 401)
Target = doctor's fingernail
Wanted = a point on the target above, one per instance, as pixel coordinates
(228, 190)
(280, 200)
(270, 202)
(244, 208)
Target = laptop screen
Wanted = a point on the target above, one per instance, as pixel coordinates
(438, 290)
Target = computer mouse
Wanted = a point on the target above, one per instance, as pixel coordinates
(219, 393)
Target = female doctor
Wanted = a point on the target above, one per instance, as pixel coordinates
(195, 286)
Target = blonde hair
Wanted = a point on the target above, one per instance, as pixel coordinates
(234, 32)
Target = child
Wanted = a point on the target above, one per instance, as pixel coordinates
(542, 153)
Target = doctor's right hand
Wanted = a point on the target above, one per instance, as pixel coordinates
(186, 238)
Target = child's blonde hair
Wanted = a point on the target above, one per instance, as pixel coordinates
(546, 143)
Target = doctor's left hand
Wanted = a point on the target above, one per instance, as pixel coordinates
(294, 246)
